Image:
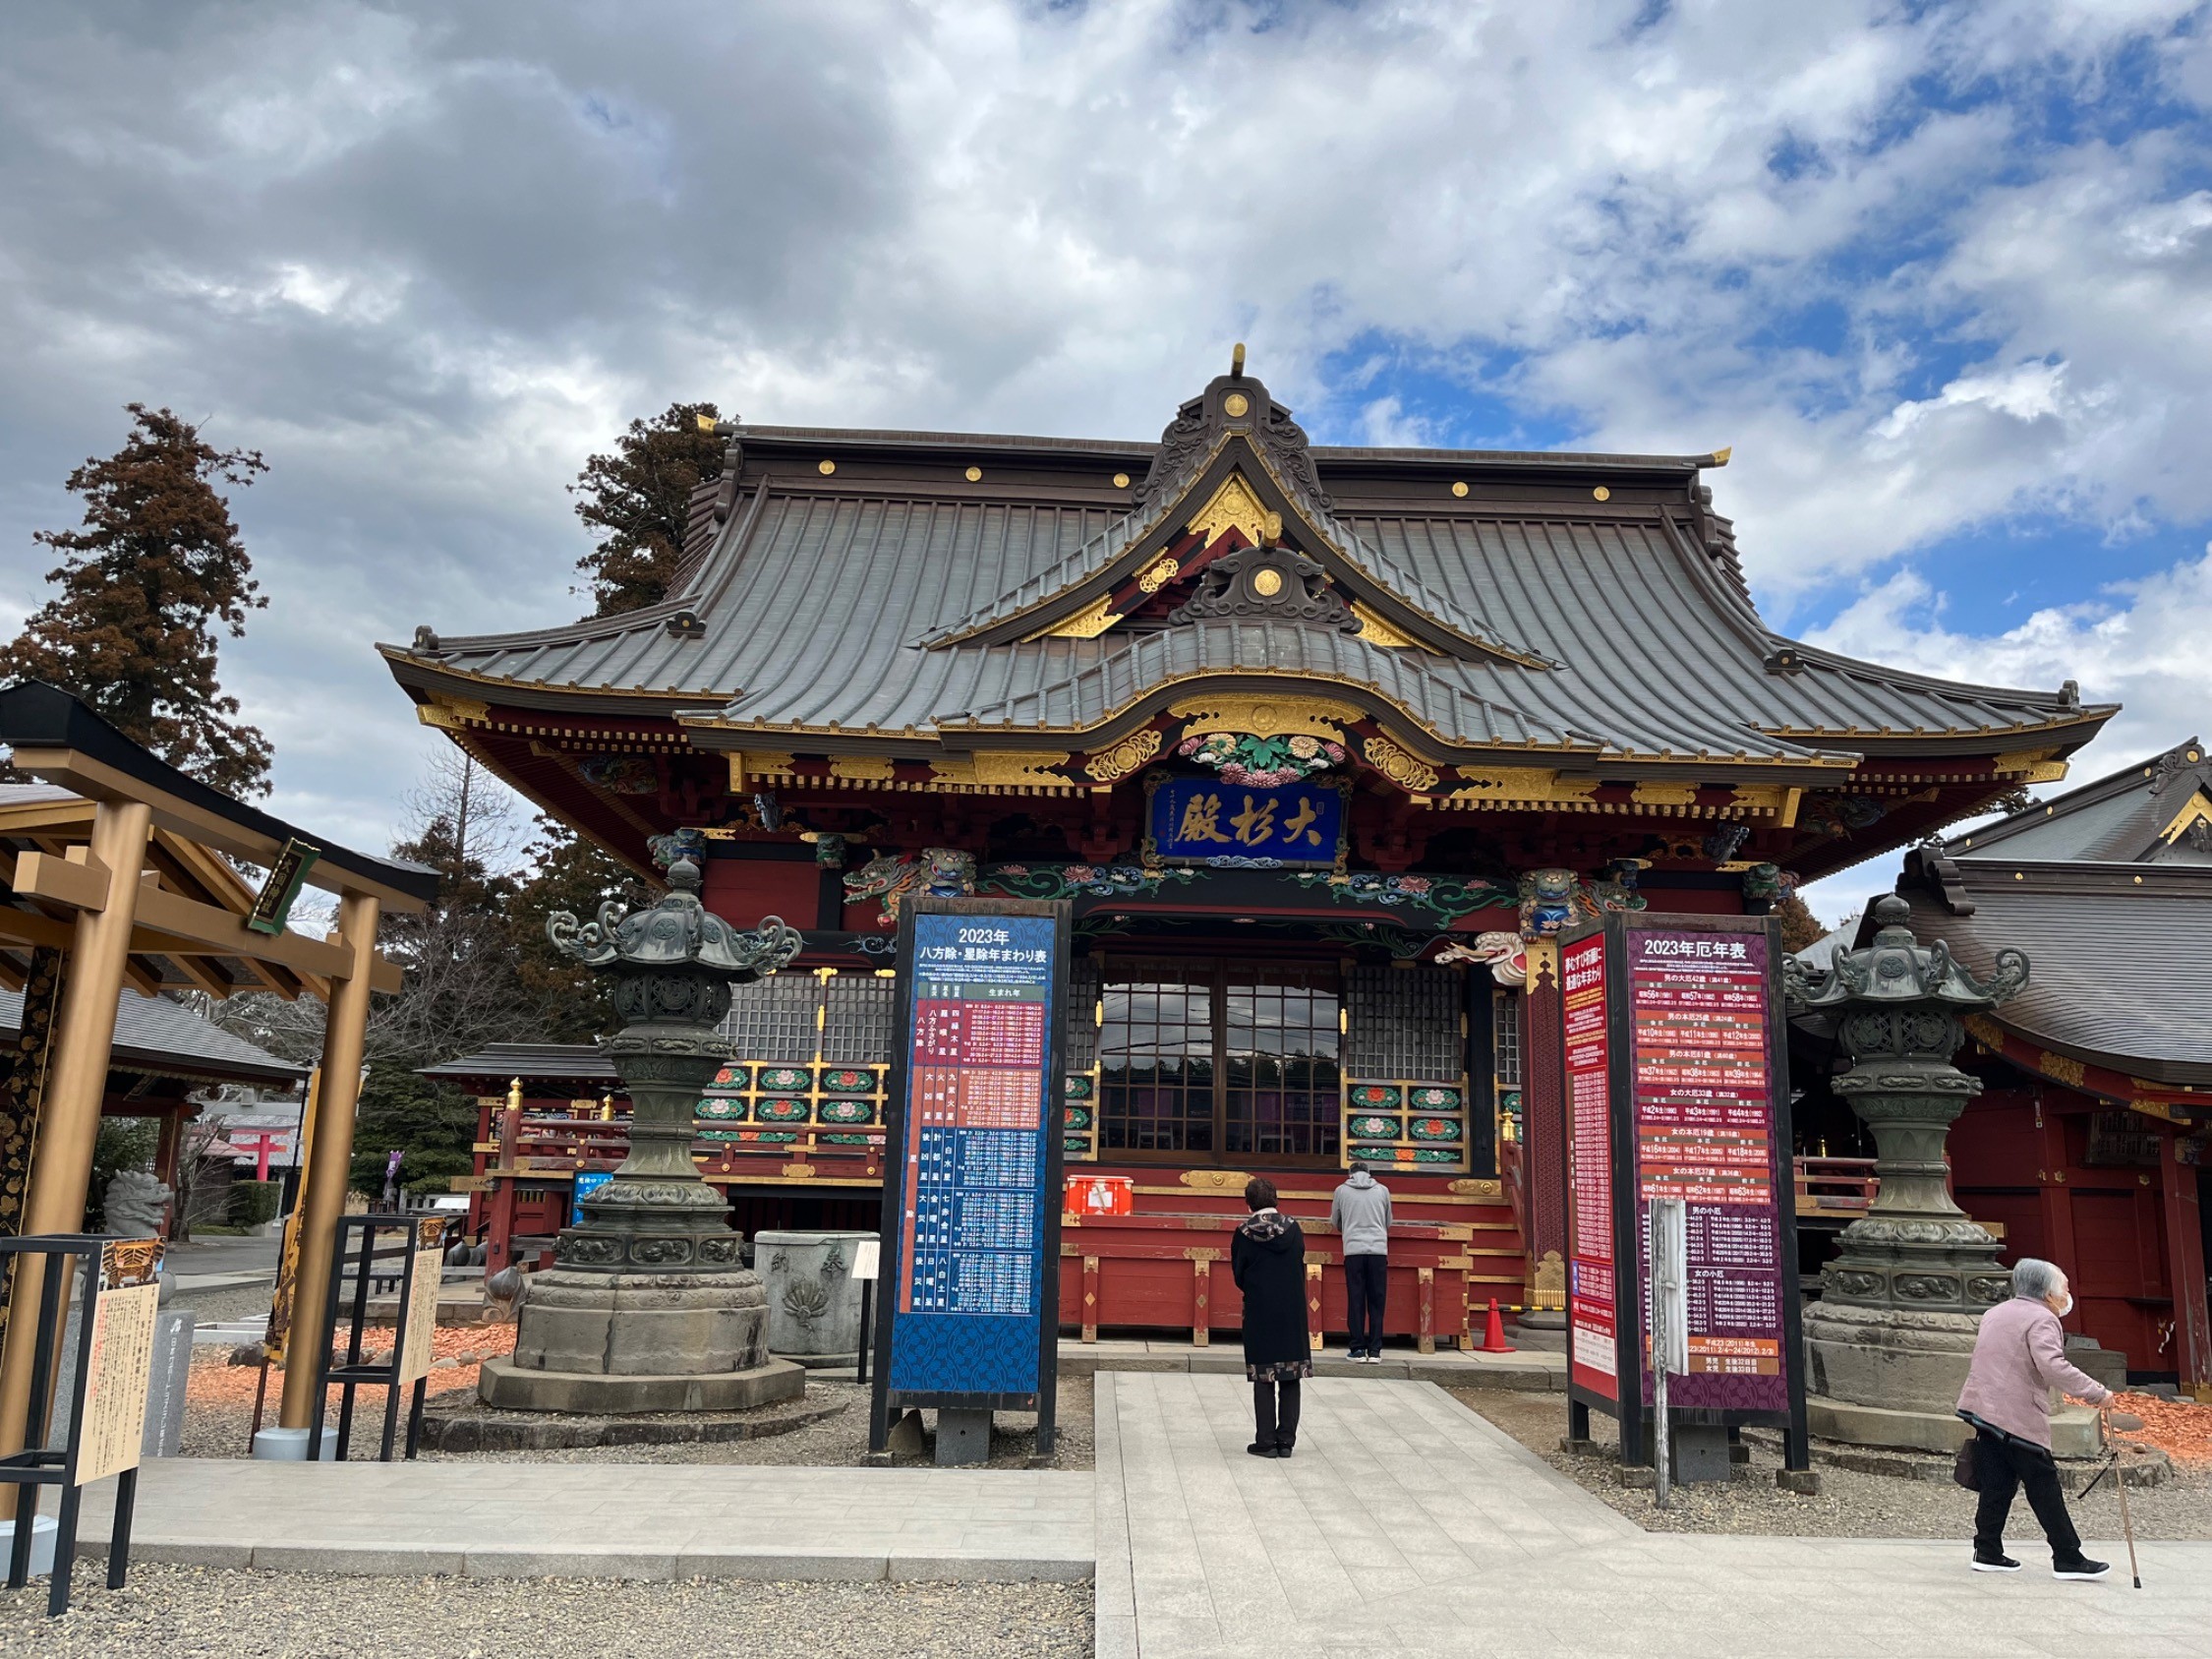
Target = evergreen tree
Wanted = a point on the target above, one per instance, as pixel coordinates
(1799, 925)
(434, 1125)
(568, 873)
(156, 571)
(638, 501)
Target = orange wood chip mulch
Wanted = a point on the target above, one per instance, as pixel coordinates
(456, 1353)
(2177, 1428)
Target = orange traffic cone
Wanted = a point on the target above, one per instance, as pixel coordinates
(1493, 1334)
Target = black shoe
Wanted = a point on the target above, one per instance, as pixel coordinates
(1283, 1447)
(1259, 1450)
(1996, 1563)
(2080, 1568)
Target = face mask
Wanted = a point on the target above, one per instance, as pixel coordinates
(2066, 1307)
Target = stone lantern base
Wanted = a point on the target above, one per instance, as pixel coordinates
(606, 1343)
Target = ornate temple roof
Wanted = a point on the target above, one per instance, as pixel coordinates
(2109, 890)
(925, 590)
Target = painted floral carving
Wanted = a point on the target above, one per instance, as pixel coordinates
(1261, 762)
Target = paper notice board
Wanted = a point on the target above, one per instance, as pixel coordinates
(119, 1359)
(419, 1323)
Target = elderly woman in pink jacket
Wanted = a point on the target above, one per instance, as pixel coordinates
(2020, 1357)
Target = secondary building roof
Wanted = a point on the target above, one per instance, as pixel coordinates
(157, 1036)
(2108, 889)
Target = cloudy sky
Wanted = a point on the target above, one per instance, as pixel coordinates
(1941, 273)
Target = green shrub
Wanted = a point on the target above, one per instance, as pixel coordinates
(253, 1203)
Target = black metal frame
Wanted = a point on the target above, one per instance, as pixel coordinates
(887, 1258)
(35, 1466)
(353, 1372)
(1634, 1417)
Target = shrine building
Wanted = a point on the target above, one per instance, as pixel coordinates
(1324, 744)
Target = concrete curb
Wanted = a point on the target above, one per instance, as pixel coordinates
(765, 1566)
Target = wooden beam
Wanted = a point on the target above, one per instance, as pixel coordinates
(210, 924)
(73, 769)
(81, 886)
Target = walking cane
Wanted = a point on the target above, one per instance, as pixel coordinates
(2119, 1479)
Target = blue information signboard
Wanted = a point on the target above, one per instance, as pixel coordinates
(588, 1182)
(970, 1278)
(1204, 820)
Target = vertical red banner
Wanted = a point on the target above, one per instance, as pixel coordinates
(1592, 1312)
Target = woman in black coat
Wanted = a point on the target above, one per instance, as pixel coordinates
(1267, 1260)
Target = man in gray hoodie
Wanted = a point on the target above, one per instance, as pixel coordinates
(1361, 1215)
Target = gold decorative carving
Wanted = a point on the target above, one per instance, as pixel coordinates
(1157, 576)
(452, 714)
(1267, 583)
(1236, 406)
(756, 766)
(1087, 623)
(1267, 717)
(1777, 800)
(953, 769)
(2198, 810)
(1215, 1180)
(1479, 1188)
(1547, 1285)
(1234, 503)
(1124, 757)
(1665, 794)
(825, 468)
(1021, 766)
(1602, 493)
(1459, 487)
(2069, 1072)
(2030, 766)
(862, 767)
(1375, 632)
(1398, 766)
(1984, 1030)
(1520, 783)
(1121, 480)
(974, 475)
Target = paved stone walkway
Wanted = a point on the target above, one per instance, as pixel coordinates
(608, 1520)
(1408, 1525)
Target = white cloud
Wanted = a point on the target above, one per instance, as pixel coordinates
(427, 259)
(2140, 644)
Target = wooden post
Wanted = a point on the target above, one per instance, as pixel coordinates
(1313, 1305)
(322, 1188)
(1425, 1334)
(1543, 1103)
(1202, 1325)
(2184, 1269)
(61, 1159)
(500, 1245)
(1090, 1298)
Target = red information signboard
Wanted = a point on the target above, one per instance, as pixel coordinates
(1592, 1334)
(1676, 1088)
(1705, 1092)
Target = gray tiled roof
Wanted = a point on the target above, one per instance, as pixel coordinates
(2113, 917)
(158, 1034)
(818, 604)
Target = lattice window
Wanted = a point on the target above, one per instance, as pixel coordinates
(772, 1019)
(857, 1025)
(1404, 1022)
(1506, 1037)
(1280, 1045)
(1082, 1014)
(1157, 1060)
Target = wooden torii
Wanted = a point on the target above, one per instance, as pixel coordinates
(140, 893)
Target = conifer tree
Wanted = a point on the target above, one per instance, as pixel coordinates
(638, 499)
(156, 571)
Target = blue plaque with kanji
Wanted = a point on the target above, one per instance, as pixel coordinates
(1207, 821)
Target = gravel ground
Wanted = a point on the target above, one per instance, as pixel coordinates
(1849, 1504)
(839, 1441)
(176, 1610)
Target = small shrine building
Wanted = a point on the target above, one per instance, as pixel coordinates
(1324, 744)
(2091, 1141)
